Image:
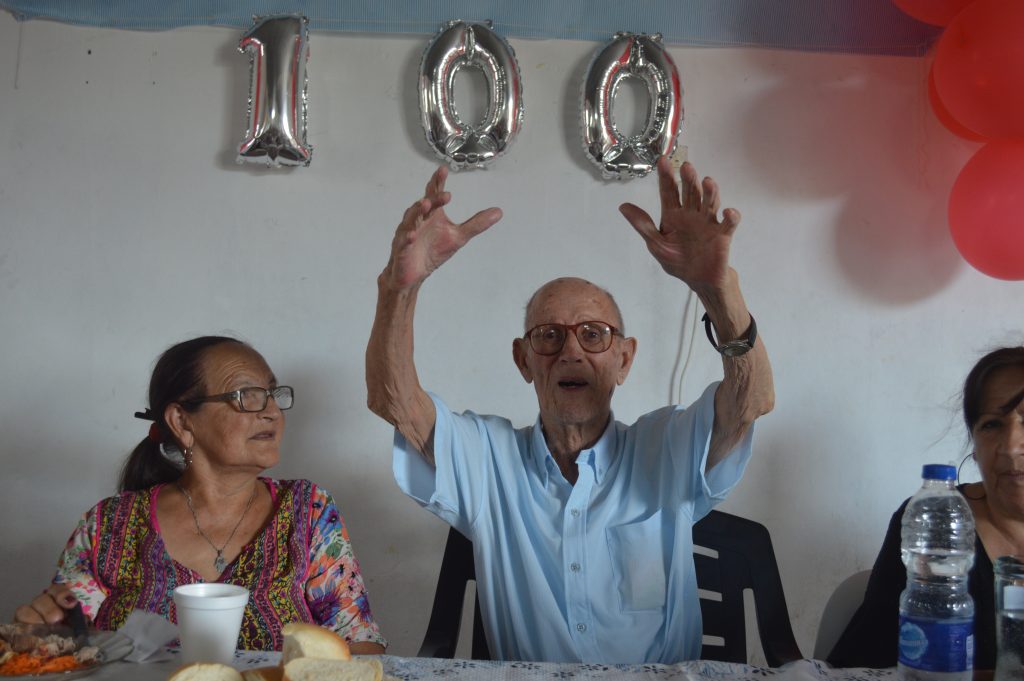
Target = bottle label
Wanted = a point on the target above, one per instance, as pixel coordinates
(936, 645)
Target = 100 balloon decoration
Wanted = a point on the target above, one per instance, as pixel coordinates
(278, 48)
(973, 87)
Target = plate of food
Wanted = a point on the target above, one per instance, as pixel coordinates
(42, 652)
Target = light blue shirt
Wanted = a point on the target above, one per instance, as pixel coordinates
(600, 571)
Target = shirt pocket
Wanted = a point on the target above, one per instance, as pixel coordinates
(638, 563)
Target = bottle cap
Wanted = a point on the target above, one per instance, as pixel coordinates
(938, 471)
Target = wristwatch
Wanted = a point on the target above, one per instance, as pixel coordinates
(733, 348)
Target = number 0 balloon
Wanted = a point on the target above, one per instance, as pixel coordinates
(461, 45)
(640, 56)
(278, 48)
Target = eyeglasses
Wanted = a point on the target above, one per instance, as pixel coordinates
(593, 336)
(252, 399)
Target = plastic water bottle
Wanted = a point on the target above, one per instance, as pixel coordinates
(936, 611)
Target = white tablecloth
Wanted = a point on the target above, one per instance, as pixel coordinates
(421, 668)
(415, 668)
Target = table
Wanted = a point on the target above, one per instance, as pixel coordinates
(423, 668)
(417, 668)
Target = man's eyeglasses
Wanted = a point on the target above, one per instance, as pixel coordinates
(593, 336)
(252, 399)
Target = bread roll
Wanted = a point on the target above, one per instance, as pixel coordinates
(205, 671)
(310, 640)
(263, 674)
(311, 669)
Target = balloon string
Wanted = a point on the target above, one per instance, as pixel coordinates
(675, 388)
(689, 351)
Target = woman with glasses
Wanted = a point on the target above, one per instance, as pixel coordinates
(195, 507)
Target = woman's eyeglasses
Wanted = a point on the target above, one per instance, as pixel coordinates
(252, 399)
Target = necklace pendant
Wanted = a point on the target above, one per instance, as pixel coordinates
(218, 563)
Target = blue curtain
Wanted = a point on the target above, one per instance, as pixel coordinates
(858, 26)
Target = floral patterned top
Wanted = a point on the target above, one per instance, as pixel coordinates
(299, 568)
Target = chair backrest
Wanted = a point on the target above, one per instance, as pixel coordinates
(841, 605)
(457, 571)
(746, 560)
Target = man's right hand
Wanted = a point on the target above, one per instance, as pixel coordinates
(424, 241)
(48, 607)
(427, 238)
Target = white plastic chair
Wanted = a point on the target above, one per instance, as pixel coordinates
(840, 608)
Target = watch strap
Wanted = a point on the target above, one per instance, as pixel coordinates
(733, 348)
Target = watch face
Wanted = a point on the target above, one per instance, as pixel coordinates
(735, 348)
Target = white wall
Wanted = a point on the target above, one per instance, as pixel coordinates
(125, 226)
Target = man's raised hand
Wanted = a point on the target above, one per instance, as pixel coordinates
(427, 238)
(691, 243)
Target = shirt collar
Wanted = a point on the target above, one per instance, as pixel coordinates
(599, 457)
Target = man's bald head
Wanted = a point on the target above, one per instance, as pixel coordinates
(571, 289)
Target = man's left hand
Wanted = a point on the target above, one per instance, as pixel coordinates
(691, 243)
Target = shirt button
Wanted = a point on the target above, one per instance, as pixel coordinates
(575, 567)
(581, 627)
(575, 513)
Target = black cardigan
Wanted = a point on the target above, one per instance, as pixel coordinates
(871, 639)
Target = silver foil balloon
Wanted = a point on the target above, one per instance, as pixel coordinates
(278, 48)
(460, 45)
(630, 55)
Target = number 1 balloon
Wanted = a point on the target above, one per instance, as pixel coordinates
(630, 55)
(278, 48)
(462, 45)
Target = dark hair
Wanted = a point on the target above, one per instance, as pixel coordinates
(177, 375)
(974, 386)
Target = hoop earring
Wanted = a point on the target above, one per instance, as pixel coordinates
(962, 462)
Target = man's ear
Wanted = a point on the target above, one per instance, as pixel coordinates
(626, 354)
(519, 357)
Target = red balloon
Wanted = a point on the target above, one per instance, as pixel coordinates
(937, 12)
(950, 123)
(979, 68)
(986, 210)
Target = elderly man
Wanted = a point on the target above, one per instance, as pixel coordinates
(581, 525)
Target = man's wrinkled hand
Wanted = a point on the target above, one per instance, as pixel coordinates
(691, 243)
(426, 238)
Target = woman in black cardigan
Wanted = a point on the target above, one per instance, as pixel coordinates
(993, 403)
